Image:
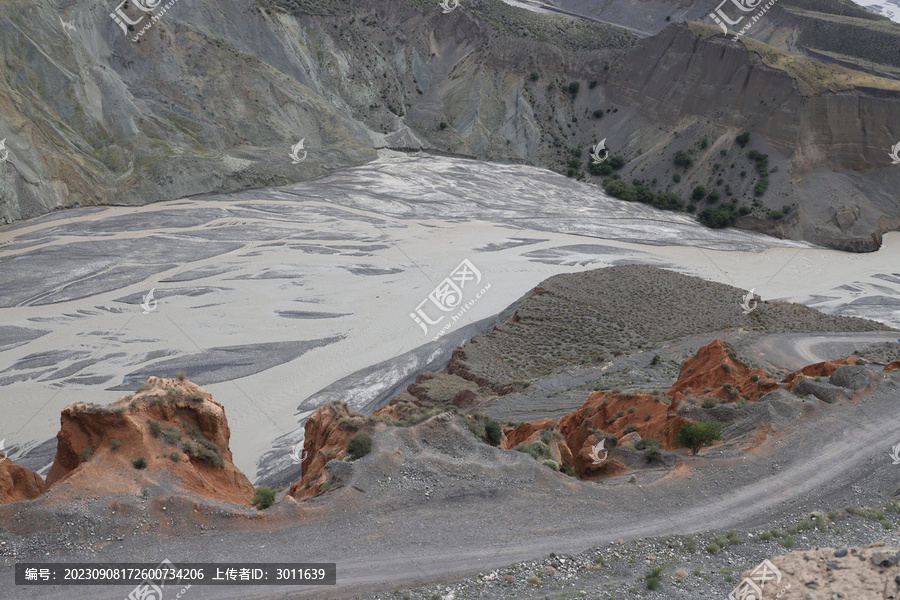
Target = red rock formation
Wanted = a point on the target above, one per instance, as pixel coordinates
(97, 444)
(18, 483)
(715, 371)
(894, 366)
(527, 432)
(326, 434)
(822, 369)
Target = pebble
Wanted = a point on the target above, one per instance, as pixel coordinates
(840, 552)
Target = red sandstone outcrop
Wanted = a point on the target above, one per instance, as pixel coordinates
(716, 371)
(174, 425)
(894, 366)
(18, 483)
(822, 369)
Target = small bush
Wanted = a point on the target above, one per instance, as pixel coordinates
(598, 114)
(534, 580)
(743, 139)
(697, 435)
(264, 498)
(139, 463)
(788, 541)
(534, 76)
(492, 432)
(114, 443)
(442, 125)
(651, 577)
(765, 536)
(180, 375)
(359, 445)
(86, 453)
(655, 360)
(630, 428)
(552, 464)
(154, 427)
(712, 548)
(175, 457)
(691, 544)
(569, 470)
(546, 436)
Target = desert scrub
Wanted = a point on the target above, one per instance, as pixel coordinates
(264, 498)
(87, 452)
(691, 544)
(139, 463)
(536, 450)
(154, 427)
(552, 464)
(651, 578)
(359, 445)
(712, 547)
(114, 443)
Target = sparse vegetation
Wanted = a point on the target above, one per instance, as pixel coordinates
(359, 445)
(264, 498)
(87, 452)
(698, 435)
(139, 463)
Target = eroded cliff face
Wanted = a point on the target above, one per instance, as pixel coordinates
(173, 426)
(18, 483)
(215, 95)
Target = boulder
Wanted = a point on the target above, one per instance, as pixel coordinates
(826, 392)
(18, 483)
(854, 377)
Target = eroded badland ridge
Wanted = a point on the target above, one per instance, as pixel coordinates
(451, 468)
(215, 95)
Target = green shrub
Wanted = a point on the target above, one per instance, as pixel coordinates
(574, 87)
(699, 193)
(655, 360)
(86, 453)
(154, 427)
(676, 178)
(765, 536)
(359, 445)
(264, 498)
(172, 435)
(712, 548)
(691, 544)
(743, 138)
(569, 470)
(442, 125)
(630, 428)
(534, 76)
(683, 159)
(180, 375)
(114, 443)
(139, 463)
(492, 433)
(598, 114)
(788, 541)
(697, 435)
(536, 450)
(546, 436)
(651, 578)
(552, 464)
